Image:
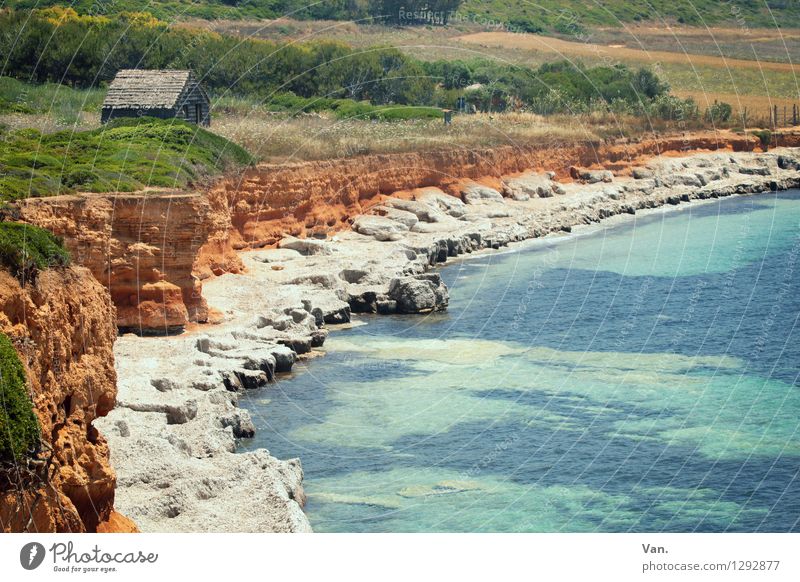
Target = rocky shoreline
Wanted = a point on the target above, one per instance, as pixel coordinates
(174, 431)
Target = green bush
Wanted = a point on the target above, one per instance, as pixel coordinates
(718, 112)
(765, 136)
(25, 250)
(671, 108)
(349, 108)
(19, 428)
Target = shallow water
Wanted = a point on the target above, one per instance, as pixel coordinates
(643, 377)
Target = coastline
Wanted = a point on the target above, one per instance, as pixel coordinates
(173, 434)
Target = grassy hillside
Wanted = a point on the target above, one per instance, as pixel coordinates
(126, 155)
(543, 15)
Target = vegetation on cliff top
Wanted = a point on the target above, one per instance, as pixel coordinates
(543, 15)
(124, 156)
(26, 250)
(19, 428)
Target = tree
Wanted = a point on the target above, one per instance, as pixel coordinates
(413, 12)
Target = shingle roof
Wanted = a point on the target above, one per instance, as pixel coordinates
(147, 89)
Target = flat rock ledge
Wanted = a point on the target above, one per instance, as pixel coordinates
(174, 433)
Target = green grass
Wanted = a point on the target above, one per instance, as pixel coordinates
(25, 250)
(19, 428)
(348, 108)
(126, 155)
(63, 103)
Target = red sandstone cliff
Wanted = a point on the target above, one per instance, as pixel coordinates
(153, 249)
(63, 329)
(141, 246)
(268, 202)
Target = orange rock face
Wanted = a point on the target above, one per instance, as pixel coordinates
(269, 202)
(63, 329)
(142, 247)
(152, 250)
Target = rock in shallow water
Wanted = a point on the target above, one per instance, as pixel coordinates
(419, 293)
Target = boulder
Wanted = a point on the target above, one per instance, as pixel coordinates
(240, 422)
(362, 298)
(475, 193)
(306, 246)
(316, 279)
(164, 384)
(409, 219)
(423, 212)
(379, 227)
(284, 358)
(419, 294)
(334, 311)
(591, 176)
(435, 198)
(788, 163)
(683, 180)
(643, 173)
(529, 186)
(182, 413)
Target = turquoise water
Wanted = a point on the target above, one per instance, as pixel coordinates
(643, 377)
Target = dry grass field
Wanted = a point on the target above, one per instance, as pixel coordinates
(616, 52)
(282, 138)
(758, 44)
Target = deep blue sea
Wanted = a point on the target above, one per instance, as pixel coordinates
(640, 377)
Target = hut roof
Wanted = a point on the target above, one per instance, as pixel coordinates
(147, 89)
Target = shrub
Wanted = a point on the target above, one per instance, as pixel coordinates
(671, 108)
(718, 112)
(25, 250)
(765, 136)
(19, 428)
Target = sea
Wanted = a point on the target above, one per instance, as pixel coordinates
(638, 376)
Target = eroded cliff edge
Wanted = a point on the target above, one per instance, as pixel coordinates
(141, 246)
(63, 329)
(154, 249)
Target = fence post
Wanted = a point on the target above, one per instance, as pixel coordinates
(775, 110)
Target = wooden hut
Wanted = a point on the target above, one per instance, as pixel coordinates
(165, 94)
